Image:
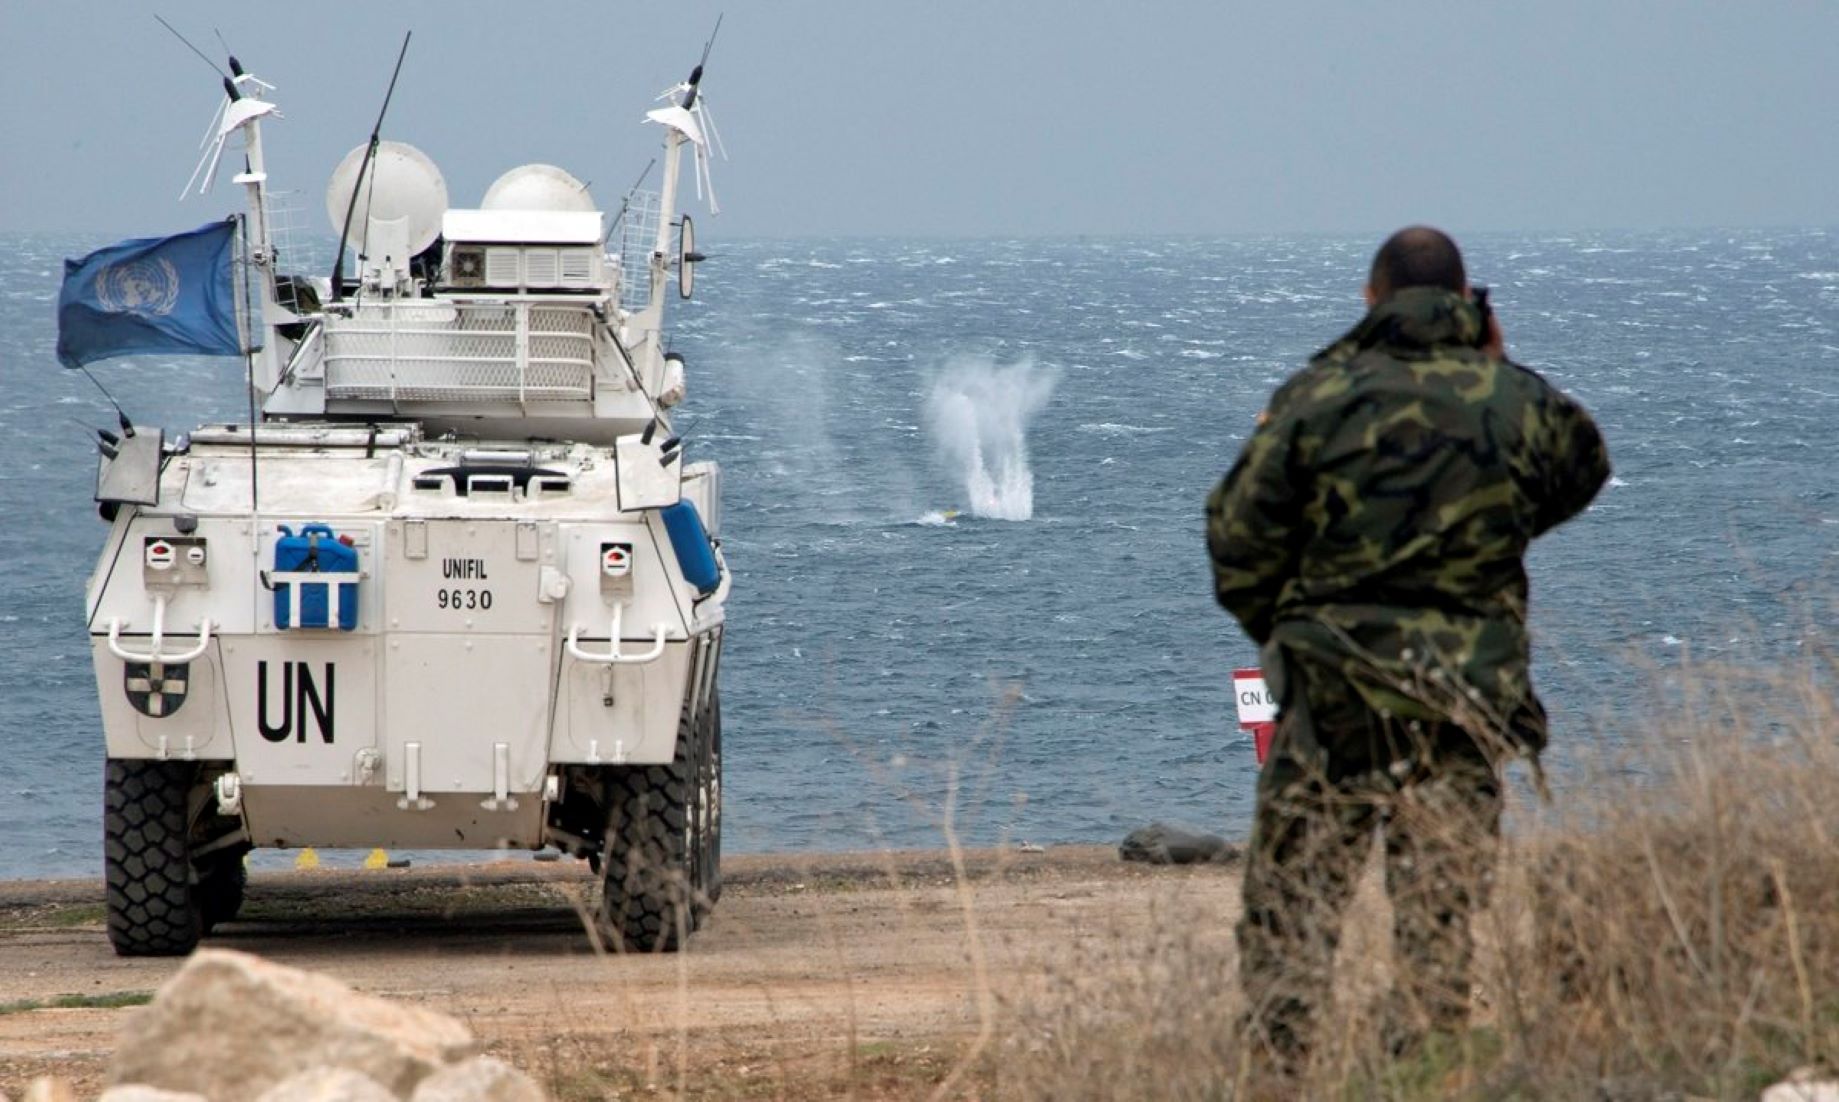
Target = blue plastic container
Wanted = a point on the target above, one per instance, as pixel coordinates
(316, 550)
(690, 540)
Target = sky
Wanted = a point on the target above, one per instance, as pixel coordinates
(953, 118)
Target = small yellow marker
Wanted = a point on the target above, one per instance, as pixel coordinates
(377, 860)
(308, 859)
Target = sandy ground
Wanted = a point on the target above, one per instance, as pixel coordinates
(867, 975)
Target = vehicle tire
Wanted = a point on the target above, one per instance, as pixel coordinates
(647, 867)
(153, 909)
(712, 805)
(221, 883)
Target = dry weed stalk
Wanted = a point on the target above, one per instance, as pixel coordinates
(1672, 930)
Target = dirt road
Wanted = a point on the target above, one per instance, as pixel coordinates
(821, 975)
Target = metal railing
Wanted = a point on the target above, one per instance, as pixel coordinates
(638, 232)
(430, 351)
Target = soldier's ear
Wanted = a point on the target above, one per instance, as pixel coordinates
(1372, 296)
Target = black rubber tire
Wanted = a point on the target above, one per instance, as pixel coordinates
(153, 907)
(647, 873)
(222, 881)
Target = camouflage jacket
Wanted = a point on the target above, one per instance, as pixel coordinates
(1375, 523)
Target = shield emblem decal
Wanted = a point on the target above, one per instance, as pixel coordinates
(157, 689)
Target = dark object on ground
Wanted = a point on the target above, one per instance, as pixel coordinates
(1162, 844)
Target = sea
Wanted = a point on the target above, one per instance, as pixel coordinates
(963, 495)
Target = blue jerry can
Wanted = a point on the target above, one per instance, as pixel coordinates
(316, 550)
(695, 554)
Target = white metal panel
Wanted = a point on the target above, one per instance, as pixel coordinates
(365, 817)
(459, 695)
(532, 227)
(303, 706)
(653, 598)
(542, 268)
(471, 582)
(228, 600)
(578, 268)
(197, 728)
(621, 714)
(504, 266)
(305, 484)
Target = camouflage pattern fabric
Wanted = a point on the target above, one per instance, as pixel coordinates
(1439, 811)
(1370, 540)
(1376, 521)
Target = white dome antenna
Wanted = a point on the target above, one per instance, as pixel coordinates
(401, 198)
(403, 182)
(538, 187)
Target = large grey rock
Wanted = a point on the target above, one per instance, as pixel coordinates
(141, 1092)
(481, 1079)
(230, 1025)
(1162, 844)
(326, 1084)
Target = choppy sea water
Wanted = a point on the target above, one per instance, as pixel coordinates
(964, 483)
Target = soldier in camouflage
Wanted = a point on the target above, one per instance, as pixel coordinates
(1369, 539)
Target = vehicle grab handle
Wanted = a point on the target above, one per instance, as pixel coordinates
(154, 652)
(612, 656)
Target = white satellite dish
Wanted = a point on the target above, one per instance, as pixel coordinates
(538, 187)
(403, 184)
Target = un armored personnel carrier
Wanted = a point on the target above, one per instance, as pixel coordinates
(456, 585)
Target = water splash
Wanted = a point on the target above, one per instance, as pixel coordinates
(978, 414)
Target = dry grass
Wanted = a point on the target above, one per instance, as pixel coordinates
(1671, 930)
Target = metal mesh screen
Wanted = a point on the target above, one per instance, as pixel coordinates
(447, 352)
(638, 232)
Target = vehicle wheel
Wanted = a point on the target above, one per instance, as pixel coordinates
(647, 866)
(712, 805)
(221, 882)
(153, 909)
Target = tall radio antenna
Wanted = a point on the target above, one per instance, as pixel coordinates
(370, 154)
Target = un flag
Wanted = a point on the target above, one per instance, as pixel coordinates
(152, 294)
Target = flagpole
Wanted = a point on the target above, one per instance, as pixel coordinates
(243, 328)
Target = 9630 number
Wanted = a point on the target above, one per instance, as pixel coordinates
(463, 600)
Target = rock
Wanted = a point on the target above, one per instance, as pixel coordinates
(47, 1089)
(141, 1092)
(1162, 844)
(230, 1025)
(1800, 1086)
(327, 1084)
(481, 1079)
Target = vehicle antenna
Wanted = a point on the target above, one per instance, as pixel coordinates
(626, 203)
(189, 46)
(338, 266)
(689, 97)
(127, 426)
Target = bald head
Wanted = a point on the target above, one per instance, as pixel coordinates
(1416, 256)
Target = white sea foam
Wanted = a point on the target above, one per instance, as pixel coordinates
(1113, 428)
(978, 413)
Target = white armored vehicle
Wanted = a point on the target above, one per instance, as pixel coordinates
(456, 587)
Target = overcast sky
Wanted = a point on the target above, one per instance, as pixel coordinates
(975, 117)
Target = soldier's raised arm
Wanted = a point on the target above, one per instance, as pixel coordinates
(1253, 517)
(1572, 462)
